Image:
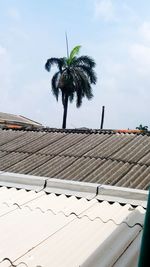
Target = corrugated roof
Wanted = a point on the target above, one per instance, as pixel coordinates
(103, 157)
(13, 120)
(39, 229)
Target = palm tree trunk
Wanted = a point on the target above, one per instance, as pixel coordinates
(65, 104)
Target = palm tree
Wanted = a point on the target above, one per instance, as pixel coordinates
(142, 128)
(73, 78)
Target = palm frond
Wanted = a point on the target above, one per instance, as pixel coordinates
(59, 62)
(79, 100)
(76, 79)
(89, 72)
(88, 93)
(71, 97)
(84, 88)
(67, 82)
(54, 83)
(82, 79)
(75, 51)
(84, 60)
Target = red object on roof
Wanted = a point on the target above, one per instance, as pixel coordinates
(128, 131)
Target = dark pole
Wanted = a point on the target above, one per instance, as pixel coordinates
(102, 118)
(145, 244)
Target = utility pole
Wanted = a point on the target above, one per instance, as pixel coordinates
(102, 117)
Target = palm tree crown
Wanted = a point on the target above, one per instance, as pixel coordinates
(73, 78)
(143, 128)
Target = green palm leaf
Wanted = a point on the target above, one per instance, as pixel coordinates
(75, 51)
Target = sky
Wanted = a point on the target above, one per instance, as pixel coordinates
(115, 33)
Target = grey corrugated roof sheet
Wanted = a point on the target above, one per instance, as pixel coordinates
(104, 157)
(39, 229)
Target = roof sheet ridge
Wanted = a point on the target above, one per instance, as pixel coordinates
(73, 188)
(135, 197)
(77, 130)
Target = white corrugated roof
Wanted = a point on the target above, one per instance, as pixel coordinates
(40, 229)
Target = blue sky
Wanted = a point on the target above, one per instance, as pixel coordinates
(115, 33)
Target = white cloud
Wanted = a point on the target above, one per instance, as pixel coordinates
(104, 9)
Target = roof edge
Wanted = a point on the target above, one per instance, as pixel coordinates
(76, 130)
(22, 181)
(71, 188)
(123, 195)
(89, 191)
